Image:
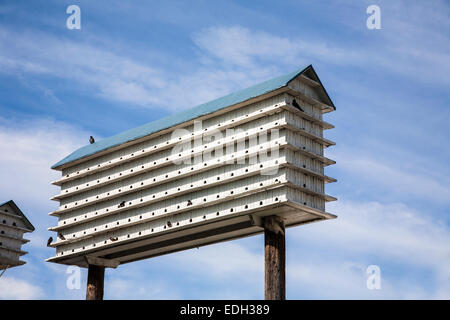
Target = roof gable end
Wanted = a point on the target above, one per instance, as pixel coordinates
(19, 213)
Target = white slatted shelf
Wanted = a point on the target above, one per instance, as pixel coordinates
(325, 125)
(165, 161)
(197, 203)
(14, 227)
(324, 196)
(8, 236)
(123, 222)
(20, 252)
(310, 154)
(125, 243)
(231, 176)
(168, 144)
(326, 178)
(316, 103)
(230, 157)
(157, 226)
(325, 142)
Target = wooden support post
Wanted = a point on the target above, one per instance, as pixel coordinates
(275, 259)
(95, 282)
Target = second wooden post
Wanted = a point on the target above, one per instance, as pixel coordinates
(275, 259)
(95, 282)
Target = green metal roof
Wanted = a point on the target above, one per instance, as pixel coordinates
(180, 117)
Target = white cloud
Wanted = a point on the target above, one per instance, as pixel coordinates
(230, 58)
(373, 233)
(15, 289)
(133, 287)
(406, 56)
(223, 261)
(406, 177)
(240, 46)
(29, 149)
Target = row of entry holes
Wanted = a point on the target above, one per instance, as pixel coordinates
(167, 142)
(14, 224)
(178, 207)
(204, 217)
(143, 150)
(109, 178)
(154, 179)
(190, 220)
(218, 178)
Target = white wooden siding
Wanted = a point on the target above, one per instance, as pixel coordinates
(126, 198)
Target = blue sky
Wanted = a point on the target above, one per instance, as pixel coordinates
(136, 61)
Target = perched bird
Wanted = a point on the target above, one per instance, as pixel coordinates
(61, 236)
(295, 104)
(121, 205)
(169, 224)
(189, 203)
(91, 140)
(49, 241)
(113, 238)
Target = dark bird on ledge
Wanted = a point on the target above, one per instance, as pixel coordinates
(49, 241)
(61, 236)
(189, 203)
(91, 140)
(121, 205)
(169, 224)
(295, 104)
(113, 238)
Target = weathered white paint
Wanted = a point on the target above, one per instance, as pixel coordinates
(135, 202)
(12, 229)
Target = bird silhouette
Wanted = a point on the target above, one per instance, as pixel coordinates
(61, 236)
(49, 241)
(189, 203)
(113, 238)
(295, 104)
(121, 205)
(169, 224)
(91, 140)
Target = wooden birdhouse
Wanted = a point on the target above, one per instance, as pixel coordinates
(205, 175)
(13, 225)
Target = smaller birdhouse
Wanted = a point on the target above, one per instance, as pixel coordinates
(13, 225)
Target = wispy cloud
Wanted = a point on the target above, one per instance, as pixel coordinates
(29, 149)
(400, 173)
(16, 289)
(368, 233)
(229, 58)
(410, 56)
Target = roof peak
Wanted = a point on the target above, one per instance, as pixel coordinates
(18, 211)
